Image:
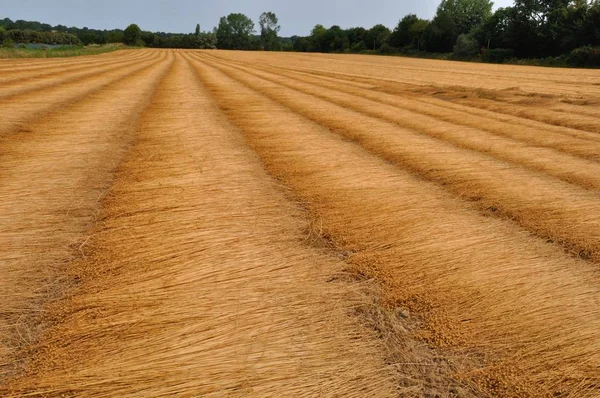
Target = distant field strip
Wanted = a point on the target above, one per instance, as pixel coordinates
(61, 78)
(68, 66)
(14, 65)
(208, 223)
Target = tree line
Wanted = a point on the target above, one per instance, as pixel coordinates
(566, 30)
(235, 32)
(27, 36)
(469, 29)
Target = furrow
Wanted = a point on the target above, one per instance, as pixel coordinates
(546, 133)
(29, 64)
(281, 69)
(537, 132)
(538, 113)
(19, 112)
(581, 144)
(568, 168)
(61, 79)
(17, 77)
(571, 83)
(509, 306)
(198, 282)
(553, 209)
(52, 179)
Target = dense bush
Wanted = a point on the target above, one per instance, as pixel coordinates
(387, 49)
(466, 47)
(132, 35)
(587, 56)
(498, 55)
(31, 36)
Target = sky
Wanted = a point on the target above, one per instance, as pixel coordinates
(295, 17)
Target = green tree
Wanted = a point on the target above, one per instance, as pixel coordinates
(591, 28)
(409, 32)
(356, 39)
(417, 33)
(318, 39)
(531, 26)
(466, 47)
(466, 14)
(300, 44)
(234, 32)
(150, 39)
(115, 36)
(551, 27)
(337, 39)
(269, 29)
(5, 41)
(197, 33)
(376, 36)
(453, 18)
(495, 32)
(132, 35)
(224, 34)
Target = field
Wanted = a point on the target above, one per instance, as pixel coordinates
(189, 223)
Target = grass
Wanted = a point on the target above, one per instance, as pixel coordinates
(59, 52)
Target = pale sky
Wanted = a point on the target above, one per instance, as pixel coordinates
(295, 17)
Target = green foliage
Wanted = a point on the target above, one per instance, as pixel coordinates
(498, 55)
(269, 29)
(466, 47)
(453, 18)
(465, 14)
(587, 56)
(59, 52)
(234, 32)
(287, 45)
(115, 36)
(205, 40)
(376, 36)
(337, 39)
(132, 36)
(301, 44)
(358, 47)
(318, 39)
(495, 32)
(409, 33)
(35, 37)
(356, 39)
(387, 49)
(87, 36)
